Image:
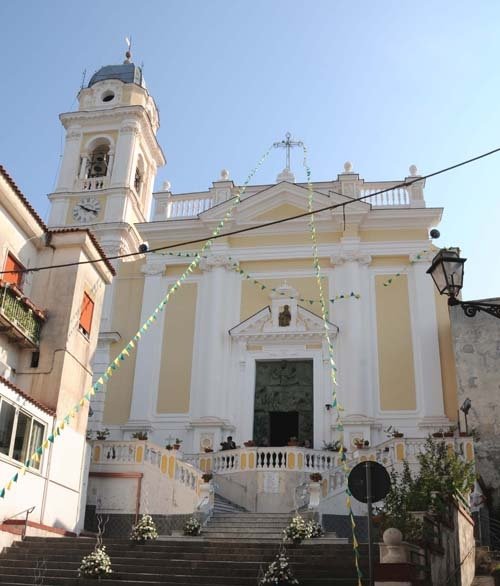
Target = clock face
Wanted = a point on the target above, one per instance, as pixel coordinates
(86, 210)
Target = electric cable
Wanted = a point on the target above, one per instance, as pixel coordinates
(265, 224)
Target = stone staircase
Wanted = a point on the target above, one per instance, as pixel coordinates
(176, 561)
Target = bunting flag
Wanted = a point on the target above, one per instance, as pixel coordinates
(235, 265)
(333, 370)
(418, 257)
(116, 363)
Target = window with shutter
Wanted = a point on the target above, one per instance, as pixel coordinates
(11, 264)
(86, 314)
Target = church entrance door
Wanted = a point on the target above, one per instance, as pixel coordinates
(284, 425)
(283, 405)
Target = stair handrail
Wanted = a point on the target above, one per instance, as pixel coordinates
(28, 512)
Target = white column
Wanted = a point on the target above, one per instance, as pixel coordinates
(125, 146)
(71, 159)
(148, 362)
(425, 338)
(351, 275)
(217, 311)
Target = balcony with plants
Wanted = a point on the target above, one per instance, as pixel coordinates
(20, 320)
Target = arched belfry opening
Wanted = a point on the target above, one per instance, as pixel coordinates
(98, 161)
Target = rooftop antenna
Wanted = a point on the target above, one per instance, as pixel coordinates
(128, 53)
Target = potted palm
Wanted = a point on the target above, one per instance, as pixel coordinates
(177, 443)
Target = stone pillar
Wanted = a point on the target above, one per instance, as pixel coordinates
(123, 154)
(351, 315)
(71, 159)
(147, 369)
(426, 352)
(217, 311)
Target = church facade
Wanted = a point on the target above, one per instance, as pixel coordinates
(219, 361)
(239, 349)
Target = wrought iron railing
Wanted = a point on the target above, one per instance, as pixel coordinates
(19, 314)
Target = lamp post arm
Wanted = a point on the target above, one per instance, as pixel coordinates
(472, 307)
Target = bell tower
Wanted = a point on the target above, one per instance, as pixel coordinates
(110, 159)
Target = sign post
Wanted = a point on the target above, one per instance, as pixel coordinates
(369, 482)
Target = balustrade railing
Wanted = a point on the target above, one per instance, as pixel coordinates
(283, 458)
(138, 452)
(188, 206)
(392, 453)
(398, 197)
(25, 322)
(93, 184)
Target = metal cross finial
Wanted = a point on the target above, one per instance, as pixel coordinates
(288, 144)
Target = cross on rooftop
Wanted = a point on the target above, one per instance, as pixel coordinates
(288, 144)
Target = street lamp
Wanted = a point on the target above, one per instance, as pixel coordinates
(447, 271)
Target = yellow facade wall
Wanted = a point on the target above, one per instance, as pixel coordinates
(127, 304)
(177, 351)
(447, 357)
(393, 235)
(282, 239)
(395, 348)
(285, 210)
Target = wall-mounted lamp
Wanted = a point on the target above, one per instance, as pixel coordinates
(328, 406)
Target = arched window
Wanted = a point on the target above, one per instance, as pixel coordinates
(97, 165)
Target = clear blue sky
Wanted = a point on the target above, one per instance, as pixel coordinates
(384, 84)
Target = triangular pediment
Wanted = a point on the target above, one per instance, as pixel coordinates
(260, 328)
(280, 201)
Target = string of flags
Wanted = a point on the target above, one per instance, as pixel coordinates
(335, 405)
(60, 426)
(418, 257)
(236, 267)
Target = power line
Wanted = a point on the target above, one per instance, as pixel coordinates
(265, 224)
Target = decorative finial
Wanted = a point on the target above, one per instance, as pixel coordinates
(166, 186)
(348, 167)
(128, 54)
(224, 175)
(413, 170)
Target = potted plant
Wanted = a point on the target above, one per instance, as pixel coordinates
(249, 444)
(140, 435)
(298, 530)
(102, 434)
(392, 432)
(95, 565)
(451, 431)
(192, 527)
(360, 443)
(177, 443)
(169, 447)
(293, 441)
(333, 446)
(207, 477)
(279, 571)
(316, 529)
(316, 477)
(144, 529)
(438, 433)
(208, 450)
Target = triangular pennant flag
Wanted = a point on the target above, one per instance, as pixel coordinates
(51, 438)
(87, 396)
(124, 353)
(8, 485)
(45, 444)
(66, 419)
(23, 470)
(2, 493)
(15, 477)
(100, 381)
(82, 402)
(39, 451)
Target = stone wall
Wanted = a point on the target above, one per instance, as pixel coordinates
(477, 351)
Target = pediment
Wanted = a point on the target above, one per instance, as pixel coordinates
(261, 328)
(280, 201)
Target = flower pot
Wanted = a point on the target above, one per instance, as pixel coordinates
(437, 434)
(449, 434)
(398, 435)
(249, 444)
(208, 450)
(293, 443)
(177, 446)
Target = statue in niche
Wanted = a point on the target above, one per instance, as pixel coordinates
(284, 317)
